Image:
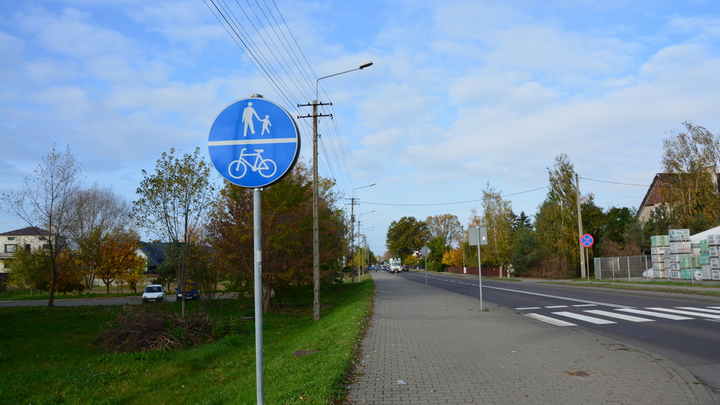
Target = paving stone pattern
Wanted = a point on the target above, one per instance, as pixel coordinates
(432, 346)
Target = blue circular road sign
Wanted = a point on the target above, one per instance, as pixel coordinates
(254, 142)
(587, 240)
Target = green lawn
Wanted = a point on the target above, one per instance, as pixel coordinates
(50, 356)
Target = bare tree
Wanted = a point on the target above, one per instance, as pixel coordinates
(45, 201)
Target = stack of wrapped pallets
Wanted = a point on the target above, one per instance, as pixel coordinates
(679, 262)
(714, 256)
(660, 249)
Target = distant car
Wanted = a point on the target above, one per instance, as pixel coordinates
(153, 292)
(405, 268)
(192, 292)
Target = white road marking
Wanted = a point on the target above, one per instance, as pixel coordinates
(527, 308)
(655, 314)
(558, 297)
(581, 317)
(551, 321)
(584, 305)
(678, 311)
(712, 311)
(556, 306)
(619, 316)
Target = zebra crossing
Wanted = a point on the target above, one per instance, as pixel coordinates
(611, 316)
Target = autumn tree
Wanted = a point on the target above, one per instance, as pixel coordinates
(406, 236)
(31, 269)
(446, 225)
(454, 257)
(286, 233)
(133, 275)
(173, 204)
(45, 201)
(691, 159)
(498, 218)
(96, 213)
(556, 222)
(116, 255)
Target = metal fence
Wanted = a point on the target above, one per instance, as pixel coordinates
(621, 268)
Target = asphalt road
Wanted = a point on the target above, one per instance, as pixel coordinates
(683, 328)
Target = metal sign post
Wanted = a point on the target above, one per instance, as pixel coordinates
(254, 143)
(424, 251)
(586, 241)
(478, 236)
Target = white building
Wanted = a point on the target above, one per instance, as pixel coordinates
(31, 238)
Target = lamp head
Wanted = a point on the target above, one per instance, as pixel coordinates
(366, 64)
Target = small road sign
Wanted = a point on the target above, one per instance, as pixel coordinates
(587, 240)
(254, 142)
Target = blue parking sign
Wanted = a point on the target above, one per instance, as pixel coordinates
(254, 142)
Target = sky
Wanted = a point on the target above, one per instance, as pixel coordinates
(461, 96)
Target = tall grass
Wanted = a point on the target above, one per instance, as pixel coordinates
(50, 356)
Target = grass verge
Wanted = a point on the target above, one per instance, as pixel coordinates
(50, 355)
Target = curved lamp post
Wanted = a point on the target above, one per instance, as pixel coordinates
(316, 214)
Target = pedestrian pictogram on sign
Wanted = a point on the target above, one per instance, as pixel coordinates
(254, 142)
(587, 240)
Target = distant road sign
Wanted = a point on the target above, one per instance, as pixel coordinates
(587, 240)
(254, 142)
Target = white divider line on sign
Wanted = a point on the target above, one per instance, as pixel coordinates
(551, 321)
(619, 316)
(581, 317)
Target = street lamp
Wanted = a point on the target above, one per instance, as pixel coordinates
(358, 266)
(352, 228)
(316, 213)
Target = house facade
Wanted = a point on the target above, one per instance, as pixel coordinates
(653, 197)
(29, 239)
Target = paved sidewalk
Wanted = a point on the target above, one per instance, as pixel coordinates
(432, 346)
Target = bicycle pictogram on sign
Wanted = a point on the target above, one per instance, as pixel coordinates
(264, 167)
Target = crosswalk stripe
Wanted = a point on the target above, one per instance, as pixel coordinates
(527, 308)
(655, 314)
(584, 305)
(712, 311)
(683, 312)
(556, 306)
(585, 318)
(714, 307)
(619, 316)
(551, 321)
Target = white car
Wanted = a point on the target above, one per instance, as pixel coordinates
(153, 292)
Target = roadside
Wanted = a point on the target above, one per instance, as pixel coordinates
(422, 349)
(708, 288)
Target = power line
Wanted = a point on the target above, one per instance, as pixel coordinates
(275, 53)
(452, 203)
(615, 182)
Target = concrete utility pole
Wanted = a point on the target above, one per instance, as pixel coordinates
(352, 238)
(580, 228)
(316, 210)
